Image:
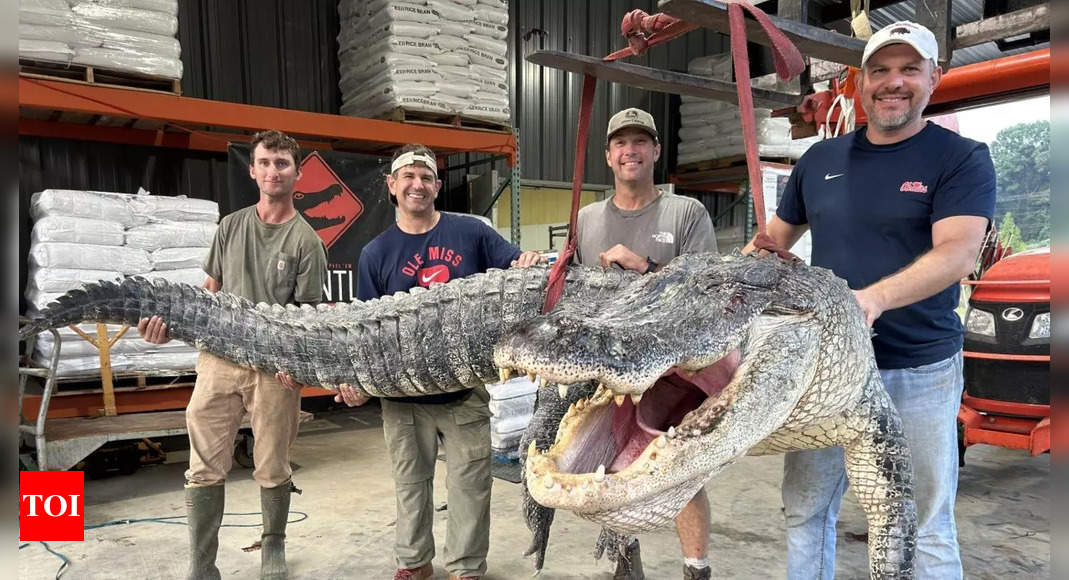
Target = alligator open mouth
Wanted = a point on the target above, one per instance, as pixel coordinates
(607, 432)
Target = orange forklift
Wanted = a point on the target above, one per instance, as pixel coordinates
(1007, 352)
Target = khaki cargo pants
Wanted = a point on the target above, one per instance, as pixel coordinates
(223, 392)
(412, 434)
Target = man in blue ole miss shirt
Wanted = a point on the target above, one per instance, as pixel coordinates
(899, 209)
(423, 247)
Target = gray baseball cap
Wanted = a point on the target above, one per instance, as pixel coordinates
(631, 118)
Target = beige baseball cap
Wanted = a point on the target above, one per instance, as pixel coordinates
(631, 118)
(903, 32)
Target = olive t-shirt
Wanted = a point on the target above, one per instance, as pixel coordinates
(274, 263)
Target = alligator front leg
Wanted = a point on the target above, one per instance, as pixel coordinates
(881, 473)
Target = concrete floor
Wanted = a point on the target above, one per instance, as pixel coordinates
(1002, 515)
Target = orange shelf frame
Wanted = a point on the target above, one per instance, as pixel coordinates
(53, 108)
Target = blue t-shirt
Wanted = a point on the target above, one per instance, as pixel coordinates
(455, 247)
(870, 209)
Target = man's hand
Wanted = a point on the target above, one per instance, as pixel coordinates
(528, 259)
(622, 255)
(350, 396)
(153, 330)
(288, 382)
(871, 302)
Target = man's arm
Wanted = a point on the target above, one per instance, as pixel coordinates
(785, 234)
(955, 242)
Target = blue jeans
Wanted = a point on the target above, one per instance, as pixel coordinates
(927, 399)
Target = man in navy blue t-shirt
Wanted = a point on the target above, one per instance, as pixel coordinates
(427, 246)
(899, 209)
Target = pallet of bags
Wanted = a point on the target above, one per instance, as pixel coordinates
(511, 407)
(125, 36)
(438, 57)
(711, 129)
(86, 236)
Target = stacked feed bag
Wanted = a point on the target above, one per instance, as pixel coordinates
(434, 56)
(86, 236)
(711, 129)
(120, 35)
(511, 406)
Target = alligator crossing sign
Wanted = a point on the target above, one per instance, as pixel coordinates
(324, 200)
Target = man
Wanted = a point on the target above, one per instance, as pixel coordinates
(427, 246)
(899, 209)
(266, 253)
(640, 228)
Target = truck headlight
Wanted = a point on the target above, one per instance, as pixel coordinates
(1040, 326)
(980, 322)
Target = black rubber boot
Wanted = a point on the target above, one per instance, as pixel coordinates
(629, 564)
(275, 503)
(204, 509)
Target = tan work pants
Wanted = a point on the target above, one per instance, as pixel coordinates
(223, 392)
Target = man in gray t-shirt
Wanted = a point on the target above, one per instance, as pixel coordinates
(640, 228)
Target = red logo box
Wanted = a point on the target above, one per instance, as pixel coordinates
(51, 506)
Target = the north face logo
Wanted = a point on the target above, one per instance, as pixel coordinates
(324, 200)
(913, 187)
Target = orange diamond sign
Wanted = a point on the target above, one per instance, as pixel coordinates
(324, 200)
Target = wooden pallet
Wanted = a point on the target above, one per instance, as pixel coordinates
(94, 75)
(720, 170)
(447, 120)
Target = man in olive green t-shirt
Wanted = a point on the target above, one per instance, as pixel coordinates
(266, 253)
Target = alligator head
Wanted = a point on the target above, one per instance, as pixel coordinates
(696, 365)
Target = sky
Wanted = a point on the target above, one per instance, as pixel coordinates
(984, 123)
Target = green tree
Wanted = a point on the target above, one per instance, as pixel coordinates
(1009, 234)
(1021, 155)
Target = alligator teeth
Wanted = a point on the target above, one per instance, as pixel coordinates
(531, 377)
(542, 382)
(599, 475)
(562, 390)
(581, 404)
(671, 432)
(532, 449)
(548, 481)
(504, 374)
(696, 432)
(571, 410)
(635, 398)
(661, 441)
(619, 399)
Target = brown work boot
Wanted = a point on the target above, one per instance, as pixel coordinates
(629, 564)
(424, 572)
(692, 573)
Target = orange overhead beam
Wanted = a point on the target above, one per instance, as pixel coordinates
(194, 113)
(1006, 75)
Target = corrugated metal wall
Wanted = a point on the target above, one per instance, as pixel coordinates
(546, 101)
(276, 53)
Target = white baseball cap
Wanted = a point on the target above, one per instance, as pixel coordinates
(904, 32)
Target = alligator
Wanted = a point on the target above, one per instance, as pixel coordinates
(681, 372)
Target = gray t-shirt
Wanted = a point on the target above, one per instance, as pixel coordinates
(274, 263)
(669, 226)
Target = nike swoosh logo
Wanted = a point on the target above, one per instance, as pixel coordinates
(427, 279)
(828, 176)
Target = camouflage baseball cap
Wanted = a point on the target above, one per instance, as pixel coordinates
(631, 118)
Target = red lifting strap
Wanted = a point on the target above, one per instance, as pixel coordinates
(643, 31)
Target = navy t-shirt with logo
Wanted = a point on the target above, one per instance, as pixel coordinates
(870, 209)
(457, 246)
